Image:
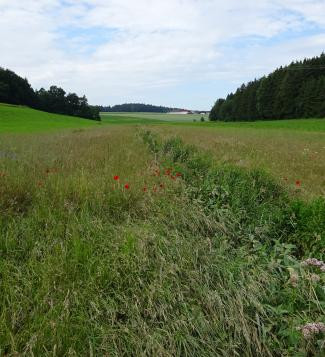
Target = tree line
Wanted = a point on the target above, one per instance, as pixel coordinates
(136, 108)
(17, 90)
(294, 91)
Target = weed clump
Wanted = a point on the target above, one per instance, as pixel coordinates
(260, 207)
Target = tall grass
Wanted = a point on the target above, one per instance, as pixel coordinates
(286, 155)
(185, 265)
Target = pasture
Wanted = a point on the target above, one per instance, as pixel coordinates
(19, 119)
(160, 117)
(160, 238)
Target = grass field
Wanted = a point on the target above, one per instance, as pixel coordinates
(124, 240)
(18, 119)
(160, 117)
(292, 151)
(316, 125)
(290, 156)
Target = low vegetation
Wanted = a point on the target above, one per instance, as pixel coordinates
(147, 118)
(20, 119)
(292, 152)
(117, 241)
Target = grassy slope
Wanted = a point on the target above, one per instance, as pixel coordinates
(17, 119)
(189, 267)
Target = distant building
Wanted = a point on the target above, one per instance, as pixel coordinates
(181, 112)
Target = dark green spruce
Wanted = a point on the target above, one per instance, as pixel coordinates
(16, 90)
(295, 91)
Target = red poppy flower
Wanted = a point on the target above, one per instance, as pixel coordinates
(127, 186)
(116, 178)
(298, 183)
(178, 174)
(144, 189)
(168, 171)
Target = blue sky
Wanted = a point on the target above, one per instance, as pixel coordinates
(182, 53)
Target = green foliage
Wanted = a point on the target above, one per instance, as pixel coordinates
(295, 91)
(309, 227)
(255, 215)
(177, 150)
(257, 206)
(151, 140)
(16, 90)
(55, 100)
(136, 108)
(89, 268)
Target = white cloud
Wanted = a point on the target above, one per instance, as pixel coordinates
(153, 45)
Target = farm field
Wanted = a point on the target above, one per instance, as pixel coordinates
(317, 125)
(124, 240)
(295, 158)
(178, 118)
(292, 151)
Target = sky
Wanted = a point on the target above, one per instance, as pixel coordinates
(177, 53)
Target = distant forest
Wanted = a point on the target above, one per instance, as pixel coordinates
(137, 108)
(17, 90)
(295, 91)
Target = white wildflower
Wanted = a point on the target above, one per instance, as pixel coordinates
(313, 262)
(311, 329)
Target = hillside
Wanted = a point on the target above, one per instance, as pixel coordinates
(295, 91)
(17, 119)
(137, 108)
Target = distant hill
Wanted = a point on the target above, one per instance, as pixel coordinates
(137, 108)
(295, 91)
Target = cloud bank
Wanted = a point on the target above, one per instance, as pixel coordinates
(183, 53)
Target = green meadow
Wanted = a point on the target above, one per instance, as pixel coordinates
(144, 236)
(20, 119)
(178, 118)
(316, 125)
(289, 150)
